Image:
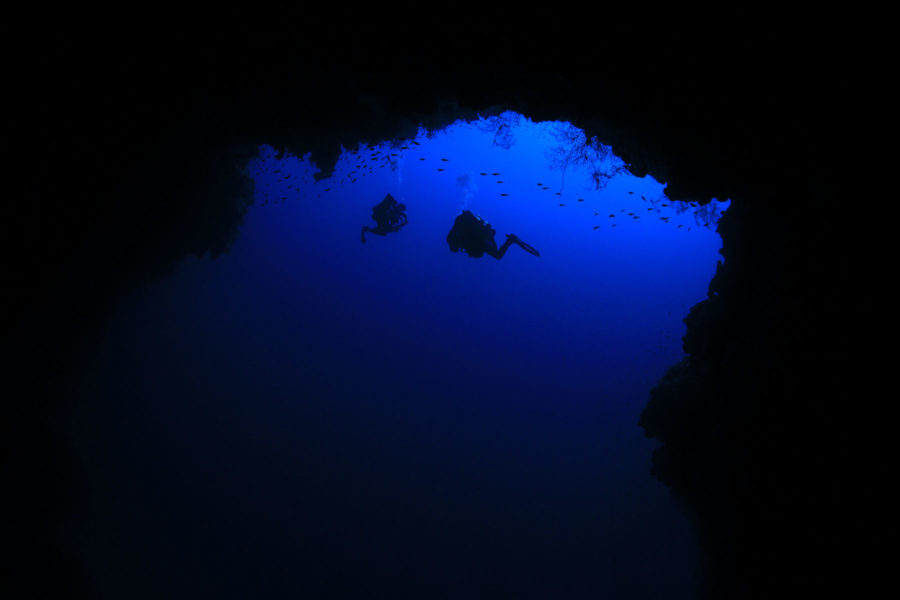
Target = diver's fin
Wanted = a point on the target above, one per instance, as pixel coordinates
(526, 247)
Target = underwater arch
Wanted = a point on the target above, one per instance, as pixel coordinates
(149, 149)
(460, 411)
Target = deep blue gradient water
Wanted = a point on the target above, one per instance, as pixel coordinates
(308, 416)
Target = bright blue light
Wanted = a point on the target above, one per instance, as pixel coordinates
(614, 249)
(548, 172)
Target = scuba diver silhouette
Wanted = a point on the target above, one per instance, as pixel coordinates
(390, 216)
(475, 236)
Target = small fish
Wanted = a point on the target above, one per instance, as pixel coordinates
(596, 226)
(539, 183)
(644, 199)
(630, 192)
(609, 215)
(495, 174)
(559, 193)
(415, 142)
(440, 169)
(636, 217)
(504, 194)
(664, 205)
(395, 154)
(421, 159)
(581, 199)
(562, 204)
(613, 224)
(482, 173)
(680, 226)
(445, 159)
(498, 181)
(545, 188)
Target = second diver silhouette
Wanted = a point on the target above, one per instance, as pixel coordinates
(390, 216)
(475, 236)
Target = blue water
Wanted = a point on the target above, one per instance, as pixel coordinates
(310, 416)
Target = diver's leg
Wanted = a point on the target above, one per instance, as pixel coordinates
(492, 250)
(380, 230)
(498, 253)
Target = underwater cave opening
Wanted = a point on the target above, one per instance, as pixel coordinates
(393, 417)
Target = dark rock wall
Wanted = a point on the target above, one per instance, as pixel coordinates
(127, 140)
